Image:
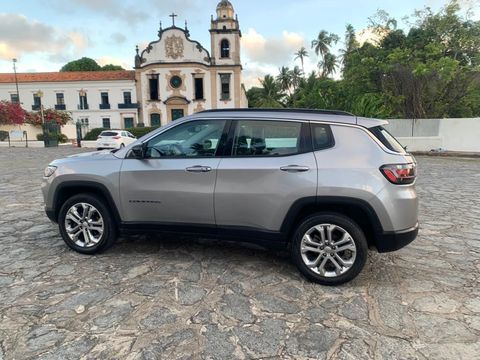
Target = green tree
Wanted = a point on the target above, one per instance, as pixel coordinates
(323, 42)
(83, 64)
(111, 67)
(301, 54)
(328, 65)
(284, 79)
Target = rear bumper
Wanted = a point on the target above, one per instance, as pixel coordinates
(392, 241)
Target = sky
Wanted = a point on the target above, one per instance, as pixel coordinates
(44, 35)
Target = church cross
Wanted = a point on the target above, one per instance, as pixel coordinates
(173, 16)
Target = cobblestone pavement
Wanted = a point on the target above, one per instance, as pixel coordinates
(178, 298)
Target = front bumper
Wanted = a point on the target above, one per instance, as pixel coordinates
(50, 214)
(395, 240)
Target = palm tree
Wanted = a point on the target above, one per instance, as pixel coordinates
(301, 54)
(271, 94)
(296, 75)
(322, 43)
(285, 78)
(328, 64)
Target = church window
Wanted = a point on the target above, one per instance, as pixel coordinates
(199, 89)
(225, 82)
(153, 82)
(225, 48)
(175, 82)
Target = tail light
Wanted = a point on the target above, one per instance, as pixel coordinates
(116, 137)
(399, 174)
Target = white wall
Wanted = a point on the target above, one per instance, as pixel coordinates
(447, 134)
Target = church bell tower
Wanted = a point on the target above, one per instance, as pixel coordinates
(225, 35)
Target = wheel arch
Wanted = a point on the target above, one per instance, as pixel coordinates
(68, 189)
(358, 210)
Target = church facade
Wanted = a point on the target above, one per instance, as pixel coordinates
(176, 76)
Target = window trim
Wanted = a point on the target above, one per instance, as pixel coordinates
(330, 145)
(306, 144)
(220, 148)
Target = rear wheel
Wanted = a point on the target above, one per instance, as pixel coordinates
(329, 248)
(86, 224)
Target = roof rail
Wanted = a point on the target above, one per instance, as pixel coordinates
(284, 110)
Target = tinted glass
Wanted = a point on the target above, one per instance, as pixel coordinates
(109, 133)
(387, 139)
(267, 138)
(192, 139)
(322, 136)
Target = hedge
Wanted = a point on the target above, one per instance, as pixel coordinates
(137, 131)
(62, 138)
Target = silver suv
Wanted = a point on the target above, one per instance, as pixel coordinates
(326, 185)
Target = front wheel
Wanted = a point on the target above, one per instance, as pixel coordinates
(86, 224)
(329, 248)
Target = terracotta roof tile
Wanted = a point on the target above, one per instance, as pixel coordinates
(68, 76)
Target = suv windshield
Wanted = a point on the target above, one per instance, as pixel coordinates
(109, 133)
(387, 139)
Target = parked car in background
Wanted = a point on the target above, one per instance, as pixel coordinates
(325, 185)
(114, 139)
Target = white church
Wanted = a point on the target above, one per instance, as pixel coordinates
(177, 76)
(174, 76)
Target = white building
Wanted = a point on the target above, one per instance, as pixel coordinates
(177, 76)
(173, 77)
(96, 98)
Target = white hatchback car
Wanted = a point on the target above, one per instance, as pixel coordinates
(114, 139)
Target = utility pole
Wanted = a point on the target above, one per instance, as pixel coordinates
(16, 80)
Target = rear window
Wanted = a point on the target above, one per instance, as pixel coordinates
(109, 133)
(387, 139)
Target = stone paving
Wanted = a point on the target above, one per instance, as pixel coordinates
(179, 298)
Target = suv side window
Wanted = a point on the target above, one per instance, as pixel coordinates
(267, 138)
(191, 139)
(322, 137)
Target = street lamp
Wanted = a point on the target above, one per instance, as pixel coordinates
(16, 80)
(40, 95)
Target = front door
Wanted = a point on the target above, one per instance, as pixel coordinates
(270, 167)
(176, 180)
(177, 114)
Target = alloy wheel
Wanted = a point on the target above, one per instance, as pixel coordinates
(84, 224)
(328, 250)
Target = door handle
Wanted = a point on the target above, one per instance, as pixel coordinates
(294, 168)
(199, 168)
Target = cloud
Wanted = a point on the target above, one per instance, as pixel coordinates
(275, 51)
(119, 38)
(104, 60)
(21, 35)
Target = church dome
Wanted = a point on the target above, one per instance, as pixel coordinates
(224, 4)
(225, 10)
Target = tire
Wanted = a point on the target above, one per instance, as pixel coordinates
(99, 241)
(322, 267)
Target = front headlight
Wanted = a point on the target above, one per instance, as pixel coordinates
(49, 170)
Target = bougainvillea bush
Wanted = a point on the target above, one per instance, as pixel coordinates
(14, 114)
(49, 115)
(11, 113)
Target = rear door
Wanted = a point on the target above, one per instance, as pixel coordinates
(269, 166)
(174, 184)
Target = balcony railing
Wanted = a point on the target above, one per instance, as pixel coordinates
(83, 107)
(129, 106)
(60, 107)
(104, 106)
(36, 107)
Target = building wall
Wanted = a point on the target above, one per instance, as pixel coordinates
(447, 134)
(71, 91)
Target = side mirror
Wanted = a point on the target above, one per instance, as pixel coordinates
(137, 152)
